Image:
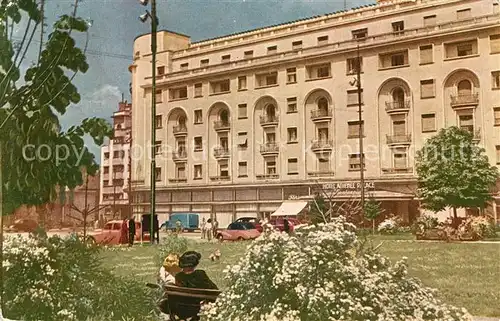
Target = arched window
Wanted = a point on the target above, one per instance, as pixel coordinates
(464, 88)
(181, 121)
(323, 105)
(224, 116)
(398, 95)
(270, 111)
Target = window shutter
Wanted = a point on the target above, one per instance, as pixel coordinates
(292, 165)
(400, 160)
(426, 54)
(242, 169)
(428, 123)
(399, 127)
(427, 88)
(498, 154)
(324, 165)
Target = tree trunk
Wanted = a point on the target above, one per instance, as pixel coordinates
(85, 210)
(455, 218)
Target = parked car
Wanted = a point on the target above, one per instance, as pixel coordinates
(278, 224)
(23, 225)
(238, 231)
(189, 221)
(253, 220)
(110, 234)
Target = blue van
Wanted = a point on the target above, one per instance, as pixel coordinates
(189, 221)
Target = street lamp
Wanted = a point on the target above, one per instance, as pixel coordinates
(154, 23)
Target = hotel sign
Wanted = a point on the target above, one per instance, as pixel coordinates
(348, 186)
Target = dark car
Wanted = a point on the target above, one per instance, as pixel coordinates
(253, 220)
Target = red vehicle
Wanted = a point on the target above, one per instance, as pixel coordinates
(110, 234)
(278, 223)
(238, 231)
(253, 220)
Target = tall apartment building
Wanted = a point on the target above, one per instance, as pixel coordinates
(115, 165)
(248, 120)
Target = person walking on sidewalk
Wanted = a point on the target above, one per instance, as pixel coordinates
(208, 229)
(202, 228)
(131, 231)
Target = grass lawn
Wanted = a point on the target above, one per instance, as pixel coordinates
(466, 274)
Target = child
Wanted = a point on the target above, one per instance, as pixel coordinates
(169, 269)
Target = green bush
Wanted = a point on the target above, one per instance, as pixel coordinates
(63, 279)
(172, 244)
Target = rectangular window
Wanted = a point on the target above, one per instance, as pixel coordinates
(318, 71)
(180, 171)
(198, 90)
(292, 134)
(498, 153)
(198, 116)
(293, 167)
(399, 127)
(360, 33)
(271, 166)
(291, 105)
(242, 82)
(495, 43)
(267, 79)
(352, 97)
(248, 54)
(160, 70)
(355, 161)
(220, 87)
(272, 50)
(184, 66)
(428, 123)
(242, 169)
(353, 64)
(242, 140)
(158, 174)
(106, 155)
(495, 79)
(322, 40)
(225, 58)
(323, 134)
(496, 7)
(158, 122)
(496, 115)
(464, 50)
(427, 88)
(270, 138)
(393, 59)
(204, 62)
(398, 26)
(353, 129)
(158, 147)
(159, 96)
(178, 93)
(198, 143)
(463, 14)
(105, 182)
(460, 49)
(106, 170)
(397, 60)
(223, 169)
(242, 111)
(466, 122)
(323, 165)
(198, 171)
(296, 45)
(291, 75)
(430, 21)
(400, 158)
(426, 54)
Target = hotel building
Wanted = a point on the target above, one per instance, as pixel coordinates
(248, 120)
(115, 165)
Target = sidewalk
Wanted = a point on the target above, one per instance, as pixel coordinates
(486, 319)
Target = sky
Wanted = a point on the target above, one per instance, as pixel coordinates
(115, 24)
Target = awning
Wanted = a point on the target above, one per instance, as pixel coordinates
(290, 208)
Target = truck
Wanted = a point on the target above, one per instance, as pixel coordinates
(189, 221)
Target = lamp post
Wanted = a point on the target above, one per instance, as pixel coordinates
(154, 22)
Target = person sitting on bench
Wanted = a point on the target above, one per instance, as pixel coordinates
(169, 269)
(190, 277)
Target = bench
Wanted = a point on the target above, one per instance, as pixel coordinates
(184, 304)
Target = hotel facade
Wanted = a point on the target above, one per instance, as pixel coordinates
(246, 121)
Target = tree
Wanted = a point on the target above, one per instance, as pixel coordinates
(372, 211)
(453, 171)
(30, 109)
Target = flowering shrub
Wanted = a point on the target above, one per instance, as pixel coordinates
(62, 279)
(319, 274)
(476, 227)
(388, 226)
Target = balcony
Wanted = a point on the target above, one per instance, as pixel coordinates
(398, 139)
(397, 170)
(178, 180)
(180, 130)
(268, 176)
(464, 100)
(179, 156)
(220, 178)
(322, 145)
(268, 121)
(321, 115)
(221, 152)
(269, 149)
(221, 126)
(397, 106)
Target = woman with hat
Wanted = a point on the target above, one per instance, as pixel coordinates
(190, 277)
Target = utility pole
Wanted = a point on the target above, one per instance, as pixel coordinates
(114, 190)
(154, 22)
(360, 119)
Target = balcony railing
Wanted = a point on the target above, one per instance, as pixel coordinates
(180, 130)
(267, 120)
(221, 152)
(268, 176)
(397, 170)
(179, 155)
(220, 178)
(269, 148)
(220, 125)
(464, 100)
(321, 114)
(321, 145)
(395, 106)
(398, 139)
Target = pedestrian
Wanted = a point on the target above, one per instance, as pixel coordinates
(208, 229)
(124, 232)
(286, 226)
(131, 231)
(215, 227)
(202, 228)
(178, 227)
